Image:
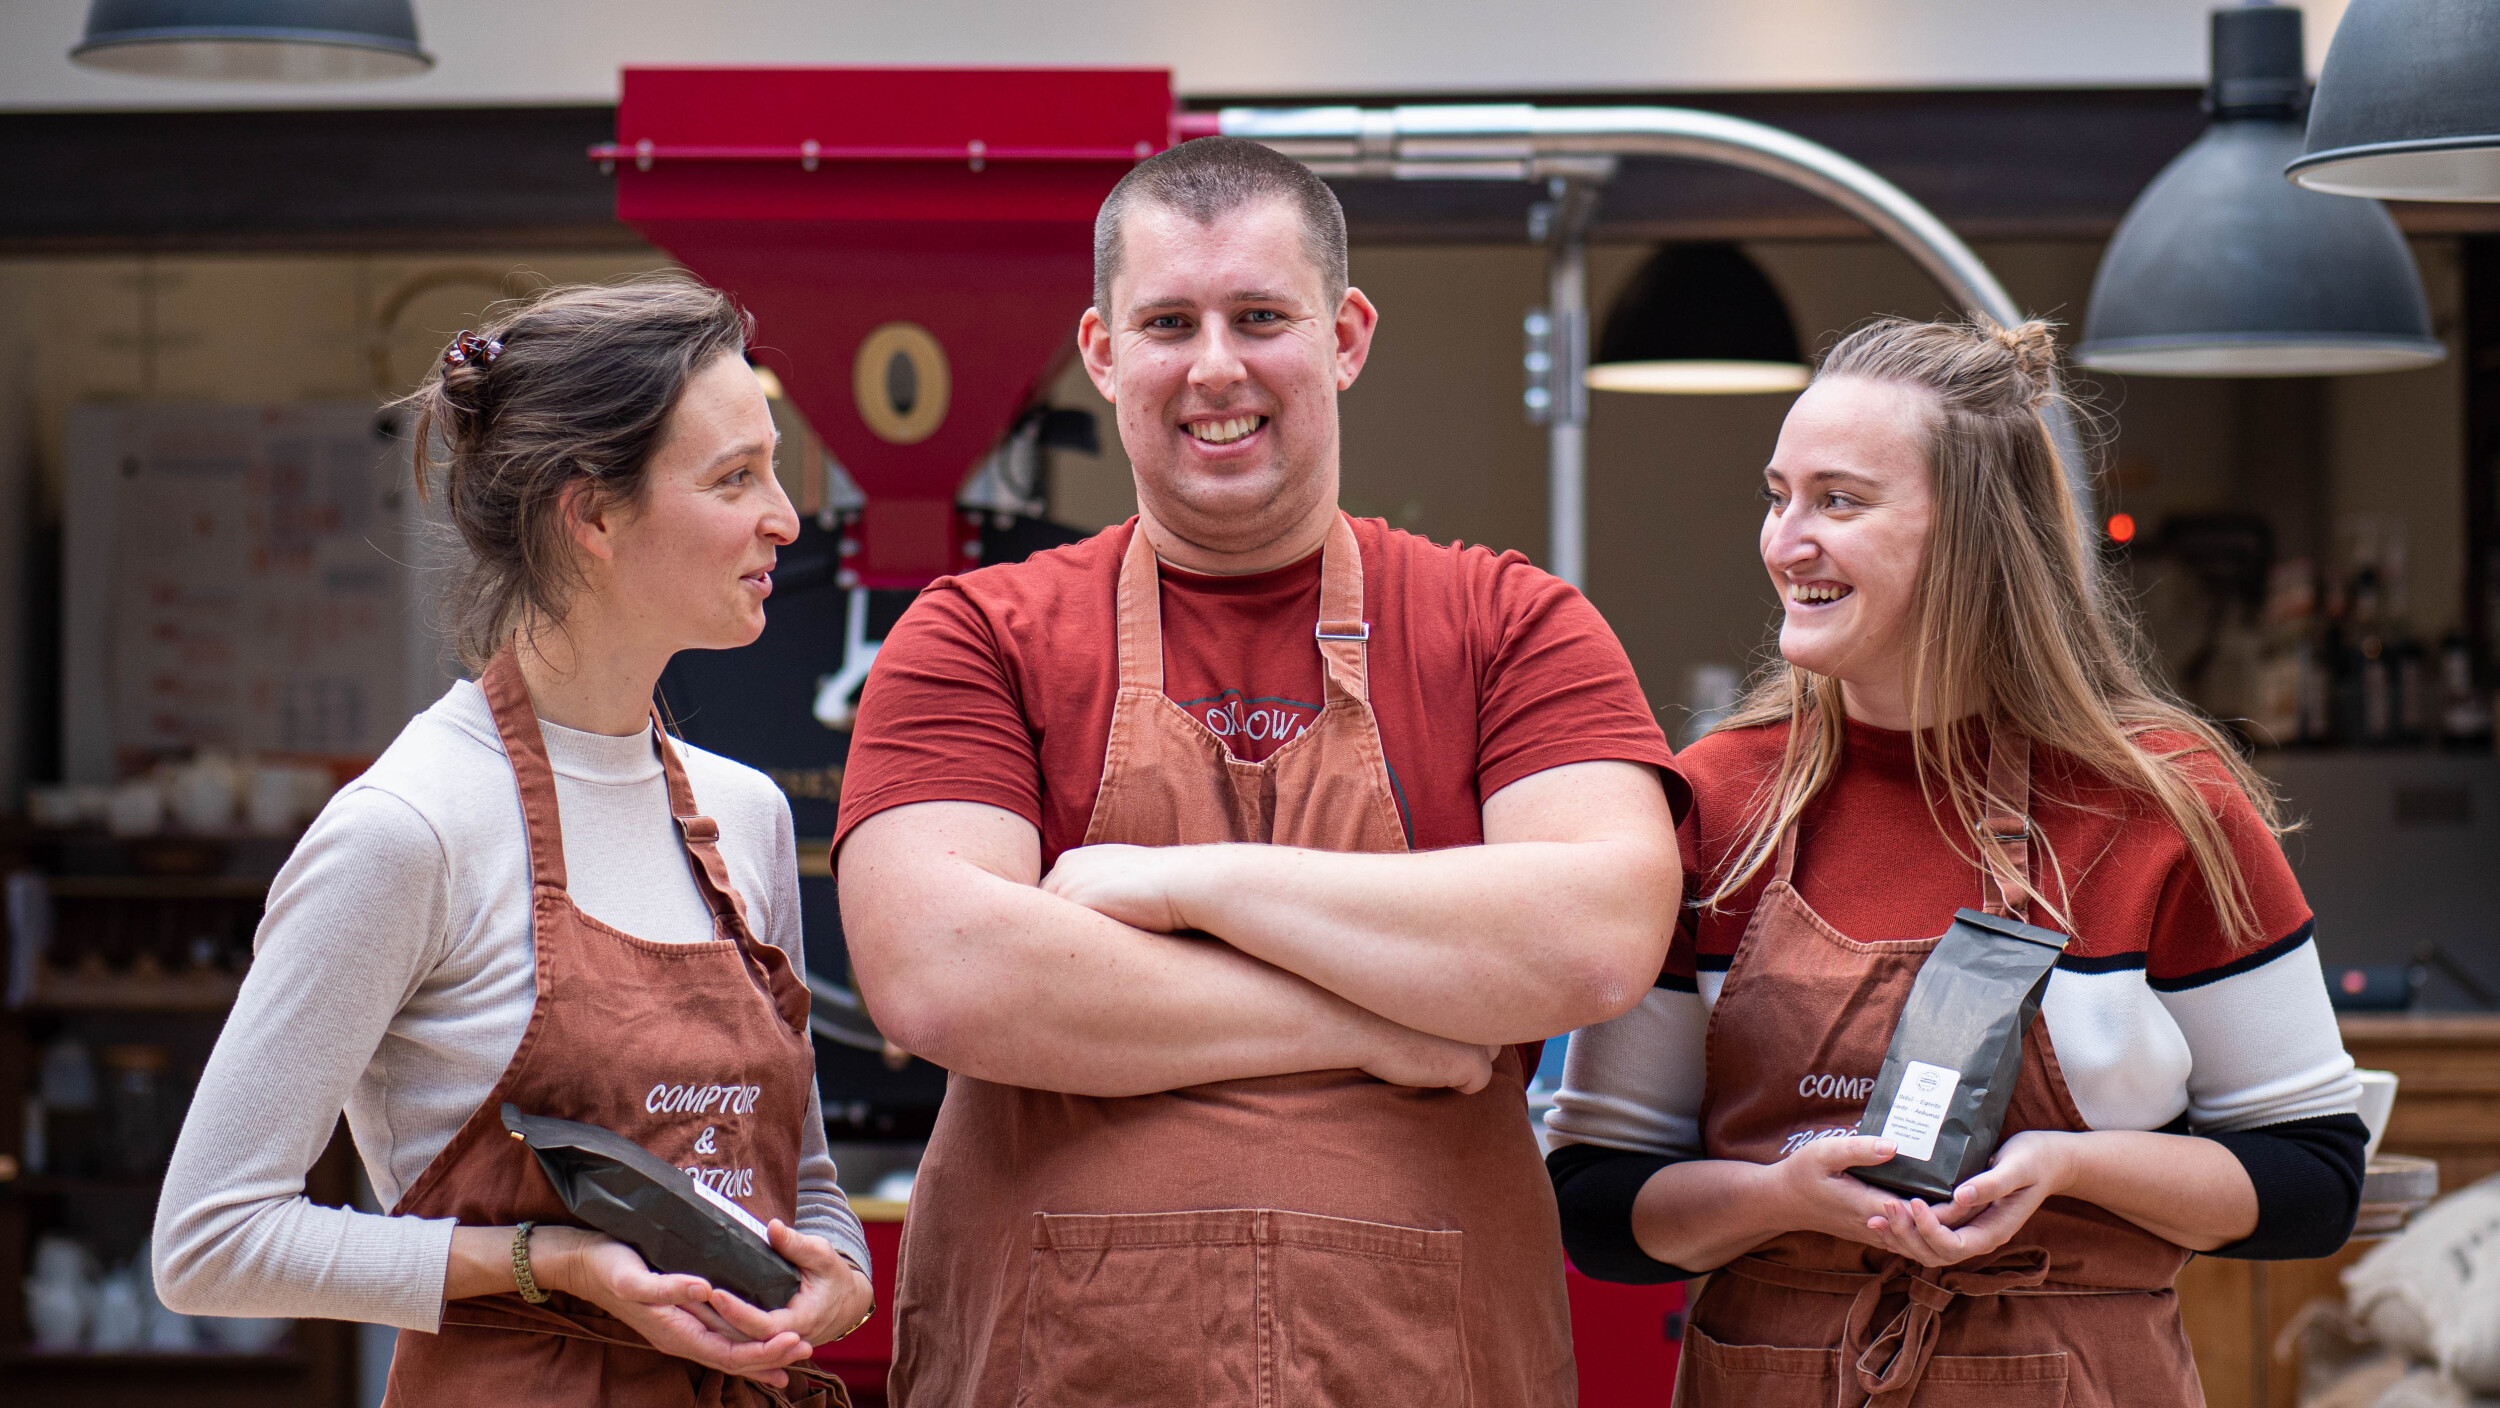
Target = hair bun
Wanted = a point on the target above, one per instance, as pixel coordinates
(2034, 348)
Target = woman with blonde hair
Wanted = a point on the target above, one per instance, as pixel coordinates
(1958, 719)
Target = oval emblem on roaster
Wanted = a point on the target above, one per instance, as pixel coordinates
(900, 383)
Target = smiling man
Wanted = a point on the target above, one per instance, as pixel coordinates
(1223, 858)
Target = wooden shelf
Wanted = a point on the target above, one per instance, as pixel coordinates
(195, 990)
(124, 943)
(51, 1184)
(815, 857)
(185, 1360)
(157, 887)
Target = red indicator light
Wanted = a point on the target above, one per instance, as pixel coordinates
(2355, 980)
(2122, 527)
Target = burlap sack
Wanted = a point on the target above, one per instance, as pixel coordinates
(2434, 1292)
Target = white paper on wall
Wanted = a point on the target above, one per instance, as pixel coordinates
(251, 593)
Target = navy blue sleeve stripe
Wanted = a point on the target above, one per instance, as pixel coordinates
(2245, 962)
(1713, 962)
(1677, 982)
(2103, 963)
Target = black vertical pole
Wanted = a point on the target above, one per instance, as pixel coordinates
(2482, 457)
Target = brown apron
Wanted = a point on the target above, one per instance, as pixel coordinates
(2077, 1309)
(1291, 1241)
(697, 1051)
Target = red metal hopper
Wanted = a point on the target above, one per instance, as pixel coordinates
(915, 244)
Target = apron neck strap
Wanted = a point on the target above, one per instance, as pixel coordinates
(711, 873)
(1784, 868)
(1342, 633)
(2006, 842)
(525, 744)
(1140, 614)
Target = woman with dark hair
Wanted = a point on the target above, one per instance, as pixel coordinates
(1957, 719)
(536, 897)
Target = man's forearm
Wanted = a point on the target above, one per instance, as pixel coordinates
(1560, 920)
(1494, 943)
(999, 980)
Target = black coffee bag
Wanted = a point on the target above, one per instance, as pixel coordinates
(644, 1201)
(1942, 1094)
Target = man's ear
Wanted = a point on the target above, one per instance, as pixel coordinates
(1093, 343)
(590, 523)
(1357, 319)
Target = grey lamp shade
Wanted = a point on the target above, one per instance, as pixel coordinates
(2223, 268)
(2408, 103)
(1699, 319)
(254, 41)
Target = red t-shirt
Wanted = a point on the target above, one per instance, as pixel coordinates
(1873, 863)
(997, 686)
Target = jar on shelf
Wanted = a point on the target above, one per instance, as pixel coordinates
(139, 1119)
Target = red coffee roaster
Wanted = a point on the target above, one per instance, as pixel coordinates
(916, 246)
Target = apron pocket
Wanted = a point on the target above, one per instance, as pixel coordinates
(1994, 1381)
(1241, 1306)
(1756, 1375)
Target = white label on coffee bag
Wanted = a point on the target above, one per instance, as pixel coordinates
(747, 1219)
(1918, 1108)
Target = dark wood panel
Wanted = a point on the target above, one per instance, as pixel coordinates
(344, 178)
(1994, 164)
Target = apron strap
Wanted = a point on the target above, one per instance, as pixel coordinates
(1343, 634)
(1885, 1367)
(1785, 868)
(2006, 880)
(711, 874)
(766, 966)
(1140, 614)
(525, 745)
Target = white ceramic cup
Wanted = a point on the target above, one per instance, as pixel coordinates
(2378, 1099)
(137, 809)
(271, 805)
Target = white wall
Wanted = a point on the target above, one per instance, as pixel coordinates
(568, 51)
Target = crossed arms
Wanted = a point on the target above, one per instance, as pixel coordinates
(1415, 967)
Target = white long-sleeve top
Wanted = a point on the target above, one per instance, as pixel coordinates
(392, 978)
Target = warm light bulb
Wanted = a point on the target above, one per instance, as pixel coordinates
(2122, 527)
(1699, 378)
(771, 383)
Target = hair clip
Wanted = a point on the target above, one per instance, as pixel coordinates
(469, 347)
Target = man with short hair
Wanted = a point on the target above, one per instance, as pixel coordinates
(1222, 859)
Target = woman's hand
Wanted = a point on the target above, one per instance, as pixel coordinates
(675, 1313)
(1704, 1213)
(833, 1300)
(1819, 1194)
(1988, 1210)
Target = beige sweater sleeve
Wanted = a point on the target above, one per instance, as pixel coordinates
(355, 921)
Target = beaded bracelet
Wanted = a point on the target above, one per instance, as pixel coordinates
(521, 1265)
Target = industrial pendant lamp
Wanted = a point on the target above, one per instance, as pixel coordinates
(2408, 104)
(1699, 320)
(254, 41)
(2223, 268)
